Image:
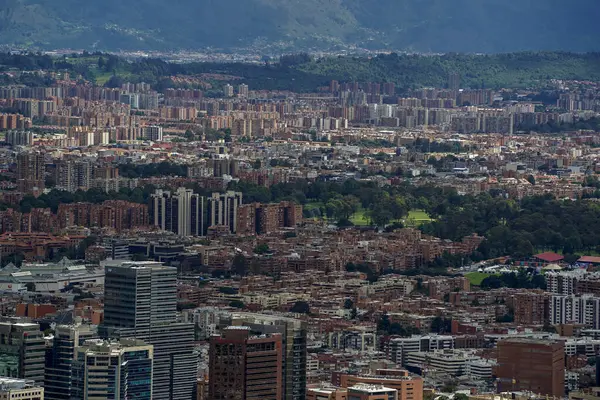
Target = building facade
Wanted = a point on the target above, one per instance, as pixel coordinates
(245, 366)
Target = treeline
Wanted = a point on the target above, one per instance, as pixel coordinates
(155, 169)
(56, 197)
(301, 73)
(592, 124)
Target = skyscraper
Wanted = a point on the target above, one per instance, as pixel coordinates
(31, 169)
(454, 81)
(293, 338)
(60, 357)
(140, 301)
(244, 366)
(22, 351)
(223, 208)
(531, 365)
(228, 90)
(181, 212)
(243, 90)
(113, 371)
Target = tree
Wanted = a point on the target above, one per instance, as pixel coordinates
(239, 265)
(383, 325)
(348, 304)
(262, 248)
(300, 307)
(236, 304)
(441, 325)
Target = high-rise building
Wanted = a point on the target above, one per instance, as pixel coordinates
(266, 218)
(243, 90)
(153, 133)
(531, 365)
(223, 209)
(19, 138)
(454, 81)
(140, 301)
(22, 351)
(531, 307)
(293, 337)
(73, 175)
(228, 90)
(574, 309)
(243, 366)
(113, 370)
(20, 389)
(31, 170)
(181, 212)
(60, 357)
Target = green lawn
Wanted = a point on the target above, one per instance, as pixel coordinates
(360, 218)
(416, 218)
(477, 277)
(419, 215)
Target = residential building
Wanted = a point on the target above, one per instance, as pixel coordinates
(228, 90)
(257, 218)
(531, 365)
(73, 175)
(113, 370)
(223, 209)
(22, 351)
(575, 309)
(181, 212)
(19, 138)
(245, 366)
(531, 308)
(153, 133)
(31, 170)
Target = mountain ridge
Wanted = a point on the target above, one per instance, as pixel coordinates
(486, 26)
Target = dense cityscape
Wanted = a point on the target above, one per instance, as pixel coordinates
(209, 235)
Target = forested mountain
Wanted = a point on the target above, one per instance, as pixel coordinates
(416, 25)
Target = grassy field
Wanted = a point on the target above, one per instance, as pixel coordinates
(476, 277)
(416, 218)
(360, 218)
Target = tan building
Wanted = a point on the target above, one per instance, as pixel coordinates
(20, 389)
(327, 394)
(407, 387)
(371, 392)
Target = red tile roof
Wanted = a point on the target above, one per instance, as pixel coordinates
(589, 259)
(549, 257)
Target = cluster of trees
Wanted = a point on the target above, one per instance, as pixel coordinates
(518, 228)
(520, 280)
(155, 169)
(384, 326)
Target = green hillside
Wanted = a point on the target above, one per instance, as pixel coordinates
(415, 25)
